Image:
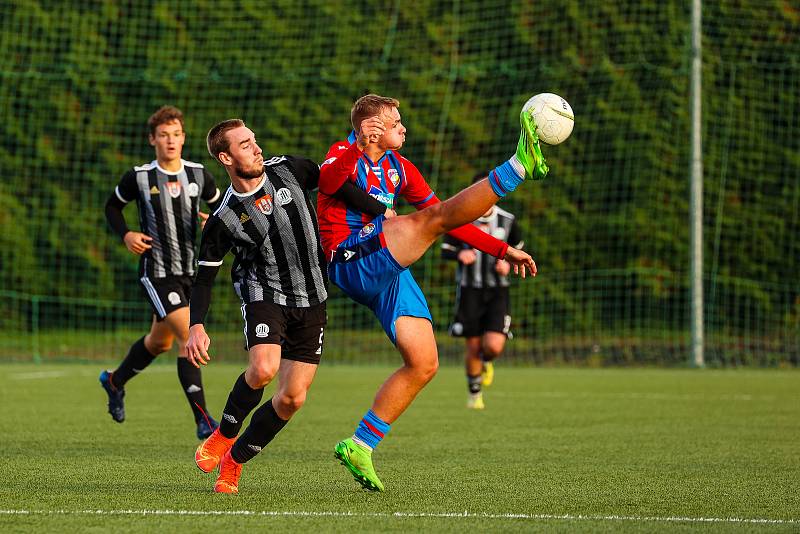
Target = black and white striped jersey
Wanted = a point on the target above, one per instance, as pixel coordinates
(168, 203)
(481, 274)
(273, 234)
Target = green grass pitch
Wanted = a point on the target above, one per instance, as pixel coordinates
(556, 450)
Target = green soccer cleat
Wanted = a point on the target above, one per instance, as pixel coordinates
(529, 153)
(358, 460)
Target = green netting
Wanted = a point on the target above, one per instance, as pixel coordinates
(609, 227)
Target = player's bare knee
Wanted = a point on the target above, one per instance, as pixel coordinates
(261, 374)
(289, 403)
(426, 370)
(490, 352)
(157, 346)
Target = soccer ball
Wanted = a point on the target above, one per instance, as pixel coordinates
(553, 116)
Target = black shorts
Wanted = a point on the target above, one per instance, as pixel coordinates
(168, 294)
(481, 310)
(298, 331)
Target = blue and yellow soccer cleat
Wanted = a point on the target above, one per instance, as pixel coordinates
(529, 153)
(358, 460)
(116, 396)
(475, 401)
(487, 376)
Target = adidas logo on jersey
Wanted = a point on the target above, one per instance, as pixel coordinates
(243, 218)
(154, 190)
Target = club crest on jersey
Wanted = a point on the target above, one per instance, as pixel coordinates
(174, 189)
(387, 199)
(264, 204)
(193, 189)
(368, 229)
(283, 195)
(393, 176)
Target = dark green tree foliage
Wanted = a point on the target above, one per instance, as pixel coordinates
(609, 227)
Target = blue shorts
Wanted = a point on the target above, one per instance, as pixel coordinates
(365, 270)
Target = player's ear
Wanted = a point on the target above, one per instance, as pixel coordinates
(152, 139)
(225, 158)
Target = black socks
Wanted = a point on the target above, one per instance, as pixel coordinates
(134, 363)
(241, 401)
(192, 384)
(264, 425)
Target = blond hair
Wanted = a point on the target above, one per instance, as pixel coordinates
(369, 106)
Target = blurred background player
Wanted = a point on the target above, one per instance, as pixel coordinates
(369, 257)
(167, 192)
(267, 220)
(482, 298)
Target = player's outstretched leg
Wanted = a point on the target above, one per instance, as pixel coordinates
(116, 396)
(210, 452)
(358, 460)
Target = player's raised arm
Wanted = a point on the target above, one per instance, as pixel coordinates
(341, 159)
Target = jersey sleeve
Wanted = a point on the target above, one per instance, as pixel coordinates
(477, 238)
(127, 190)
(340, 162)
(451, 247)
(357, 198)
(307, 173)
(416, 190)
(215, 242)
(515, 236)
(211, 193)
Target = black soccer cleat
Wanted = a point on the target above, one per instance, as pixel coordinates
(116, 396)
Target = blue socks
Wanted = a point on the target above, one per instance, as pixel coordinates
(506, 177)
(371, 430)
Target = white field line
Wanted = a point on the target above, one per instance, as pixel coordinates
(647, 396)
(41, 375)
(35, 375)
(402, 515)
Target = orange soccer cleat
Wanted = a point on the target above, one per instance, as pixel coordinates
(229, 472)
(210, 452)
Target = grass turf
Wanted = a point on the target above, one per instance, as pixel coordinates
(559, 450)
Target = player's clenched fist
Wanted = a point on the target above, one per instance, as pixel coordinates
(372, 128)
(197, 346)
(137, 242)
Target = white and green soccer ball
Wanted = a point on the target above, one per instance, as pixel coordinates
(553, 116)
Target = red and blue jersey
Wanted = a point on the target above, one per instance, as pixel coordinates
(385, 180)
